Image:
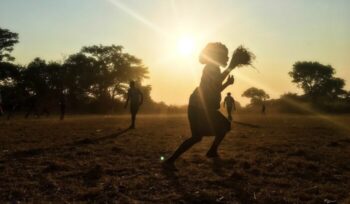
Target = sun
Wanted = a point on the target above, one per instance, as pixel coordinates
(186, 45)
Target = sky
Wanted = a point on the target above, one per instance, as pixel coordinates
(168, 36)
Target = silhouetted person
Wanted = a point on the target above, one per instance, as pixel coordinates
(1, 109)
(204, 104)
(13, 105)
(229, 102)
(62, 106)
(263, 109)
(32, 105)
(136, 99)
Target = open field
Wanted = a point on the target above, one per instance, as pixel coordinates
(264, 159)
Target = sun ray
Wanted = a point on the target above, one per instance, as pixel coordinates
(142, 19)
(314, 112)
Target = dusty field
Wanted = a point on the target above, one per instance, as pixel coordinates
(264, 159)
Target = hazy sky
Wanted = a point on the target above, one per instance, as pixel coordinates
(278, 32)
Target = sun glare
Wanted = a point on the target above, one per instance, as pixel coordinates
(186, 46)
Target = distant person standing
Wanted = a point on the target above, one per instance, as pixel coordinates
(1, 110)
(263, 109)
(62, 106)
(229, 102)
(135, 97)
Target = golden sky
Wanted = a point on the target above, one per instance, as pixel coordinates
(169, 34)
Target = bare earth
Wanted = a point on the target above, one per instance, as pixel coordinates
(264, 159)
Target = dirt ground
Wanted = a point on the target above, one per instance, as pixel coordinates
(264, 159)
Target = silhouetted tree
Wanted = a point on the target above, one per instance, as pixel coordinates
(100, 74)
(257, 96)
(114, 69)
(79, 79)
(9, 74)
(94, 79)
(10, 84)
(317, 80)
(35, 77)
(7, 40)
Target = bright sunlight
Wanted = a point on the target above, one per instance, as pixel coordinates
(186, 45)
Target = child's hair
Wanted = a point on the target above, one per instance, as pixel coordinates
(212, 53)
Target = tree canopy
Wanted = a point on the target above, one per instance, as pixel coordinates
(95, 77)
(7, 40)
(317, 80)
(257, 96)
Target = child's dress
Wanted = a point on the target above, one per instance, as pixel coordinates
(204, 104)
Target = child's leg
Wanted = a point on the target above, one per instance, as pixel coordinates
(213, 151)
(133, 118)
(62, 113)
(11, 111)
(187, 144)
(28, 112)
(133, 111)
(229, 112)
(1, 110)
(46, 111)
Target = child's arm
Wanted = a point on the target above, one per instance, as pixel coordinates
(227, 71)
(224, 86)
(228, 82)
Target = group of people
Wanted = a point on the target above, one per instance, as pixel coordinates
(205, 100)
(204, 103)
(36, 105)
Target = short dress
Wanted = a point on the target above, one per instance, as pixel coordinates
(204, 104)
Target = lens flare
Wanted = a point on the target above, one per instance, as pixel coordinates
(186, 45)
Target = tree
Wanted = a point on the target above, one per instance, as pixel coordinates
(100, 75)
(257, 96)
(9, 73)
(317, 80)
(94, 79)
(79, 78)
(35, 77)
(114, 69)
(7, 40)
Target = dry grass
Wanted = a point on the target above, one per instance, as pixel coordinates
(271, 159)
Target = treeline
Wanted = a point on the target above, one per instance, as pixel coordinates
(323, 92)
(94, 80)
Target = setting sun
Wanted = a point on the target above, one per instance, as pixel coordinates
(186, 45)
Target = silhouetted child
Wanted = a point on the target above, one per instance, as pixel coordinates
(136, 99)
(62, 106)
(229, 102)
(204, 104)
